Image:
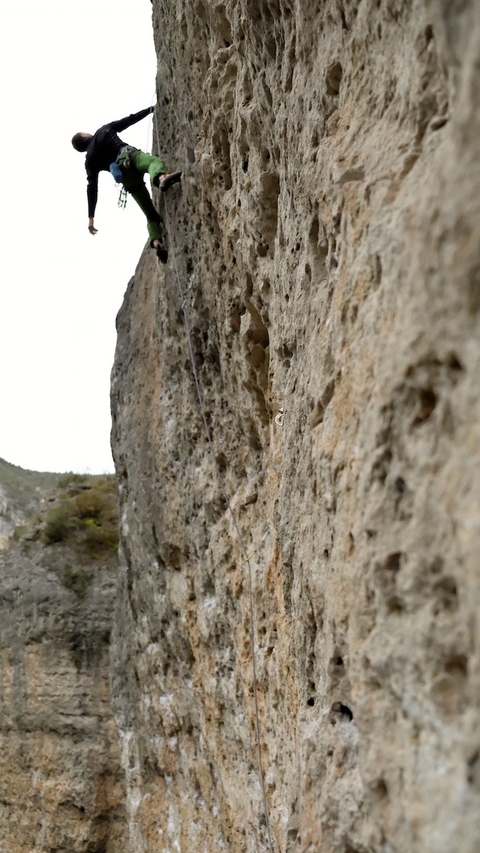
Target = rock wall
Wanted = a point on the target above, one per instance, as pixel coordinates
(61, 785)
(324, 246)
(10, 517)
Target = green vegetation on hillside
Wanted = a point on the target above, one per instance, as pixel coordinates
(74, 515)
(85, 516)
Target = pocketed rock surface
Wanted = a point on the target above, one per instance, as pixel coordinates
(325, 248)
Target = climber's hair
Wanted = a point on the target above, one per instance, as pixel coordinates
(80, 142)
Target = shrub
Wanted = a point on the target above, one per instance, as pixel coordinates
(70, 478)
(87, 520)
(19, 532)
(60, 522)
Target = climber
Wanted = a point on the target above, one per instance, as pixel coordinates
(105, 151)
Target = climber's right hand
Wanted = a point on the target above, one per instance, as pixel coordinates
(91, 227)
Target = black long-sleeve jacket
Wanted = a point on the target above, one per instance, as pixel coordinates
(103, 149)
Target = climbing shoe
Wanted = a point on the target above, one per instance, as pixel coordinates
(166, 181)
(162, 253)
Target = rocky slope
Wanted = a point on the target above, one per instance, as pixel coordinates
(20, 493)
(325, 248)
(61, 786)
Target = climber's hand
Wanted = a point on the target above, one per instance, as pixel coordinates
(91, 227)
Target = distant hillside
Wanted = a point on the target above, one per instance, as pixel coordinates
(20, 493)
(21, 485)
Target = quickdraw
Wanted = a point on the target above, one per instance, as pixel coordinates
(122, 198)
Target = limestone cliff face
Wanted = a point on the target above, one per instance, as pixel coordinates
(326, 241)
(61, 785)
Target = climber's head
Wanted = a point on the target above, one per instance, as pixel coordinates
(80, 141)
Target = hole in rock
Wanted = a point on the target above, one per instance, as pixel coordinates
(395, 604)
(341, 712)
(314, 230)
(428, 33)
(380, 789)
(454, 363)
(447, 594)
(392, 563)
(473, 771)
(427, 402)
(334, 78)
(456, 666)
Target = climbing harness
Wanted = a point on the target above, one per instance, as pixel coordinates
(117, 174)
(230, 509)
(125, 160)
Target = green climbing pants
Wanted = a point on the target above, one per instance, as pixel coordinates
(134, 164)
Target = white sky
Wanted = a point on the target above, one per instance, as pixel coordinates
(65, 67)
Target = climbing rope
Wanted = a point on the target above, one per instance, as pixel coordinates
(227, 501)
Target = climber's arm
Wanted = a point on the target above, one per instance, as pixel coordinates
(92, 194)
(123, 123)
